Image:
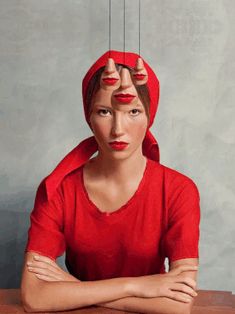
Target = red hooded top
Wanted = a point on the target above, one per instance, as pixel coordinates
(160, 220)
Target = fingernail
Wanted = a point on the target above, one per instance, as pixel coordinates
(29, 263)
(36, 257)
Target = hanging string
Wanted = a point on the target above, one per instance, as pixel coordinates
(124, 27)
(139, 27)
(124, 32)
(110, 10)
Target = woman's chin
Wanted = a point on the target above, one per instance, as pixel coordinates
(113, 154)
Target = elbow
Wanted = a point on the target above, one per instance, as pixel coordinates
(31, 306)
(182, 308)
(25, 299)
(186, 308)
(189, 307)
(29, 302)
(27, 308)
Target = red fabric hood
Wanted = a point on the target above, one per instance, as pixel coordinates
(85, 149)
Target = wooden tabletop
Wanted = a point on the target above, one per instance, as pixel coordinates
(207, 302)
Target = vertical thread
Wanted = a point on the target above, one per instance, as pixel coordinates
(139, 27)
(124, 31)
(109, 27)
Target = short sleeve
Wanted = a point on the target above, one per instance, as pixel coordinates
(181, 239)
(45, 235)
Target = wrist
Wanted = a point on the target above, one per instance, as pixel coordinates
(130, 286)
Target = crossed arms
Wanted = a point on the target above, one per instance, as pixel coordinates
(46, 287)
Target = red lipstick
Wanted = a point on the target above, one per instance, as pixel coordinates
(118, 145)
(110, 80)
(124, 98)
(139, 76)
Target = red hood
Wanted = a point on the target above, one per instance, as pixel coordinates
(85, 149)
(129, 59)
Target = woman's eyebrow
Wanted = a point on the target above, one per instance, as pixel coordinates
(138, 105)
(123, 105)
(121, 108)
(103, 106)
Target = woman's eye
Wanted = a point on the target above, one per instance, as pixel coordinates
(103, 112)
(135, 112)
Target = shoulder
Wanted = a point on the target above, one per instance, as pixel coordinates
(57, 188)
(71, 182)
(182, 195)
(178, 180)
(176, 183)
(73, 176)
(169, 173)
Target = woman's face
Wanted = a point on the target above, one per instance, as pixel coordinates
(115, 119)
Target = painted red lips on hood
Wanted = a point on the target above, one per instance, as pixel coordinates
(124, 98)
(110, 80)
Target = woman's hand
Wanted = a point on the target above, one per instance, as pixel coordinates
(46, 269)
(174, 285)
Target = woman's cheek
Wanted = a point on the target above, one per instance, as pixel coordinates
(141, 132)
(140, 127)
(101, 128)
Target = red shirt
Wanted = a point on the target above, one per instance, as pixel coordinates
(160, 220)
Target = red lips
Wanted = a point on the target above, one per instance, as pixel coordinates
(124, 98)
(118, 145)
(139, 76)
(110, 80)
(117, 142)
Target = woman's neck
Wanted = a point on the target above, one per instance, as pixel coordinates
(118, 170)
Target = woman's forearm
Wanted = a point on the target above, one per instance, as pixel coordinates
(142, 294)
(159, 305)
(56, 296)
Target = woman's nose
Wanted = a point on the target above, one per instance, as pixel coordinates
(126, 80)
(117, 126)
(110, 66)
(139, 65)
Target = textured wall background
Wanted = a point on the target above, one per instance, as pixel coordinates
(45, 49)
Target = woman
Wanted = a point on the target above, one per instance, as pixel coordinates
(119, 214)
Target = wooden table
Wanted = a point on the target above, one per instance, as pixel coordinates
(207, 302)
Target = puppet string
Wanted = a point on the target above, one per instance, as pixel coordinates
(110, 9)
(124, 31)
(139, 27)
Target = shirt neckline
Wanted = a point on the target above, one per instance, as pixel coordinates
(108, 215)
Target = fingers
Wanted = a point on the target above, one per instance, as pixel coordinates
(46, 269)
(184, 288)
(44, 262)
(43, 265)
(43, 271)
(180, 296)
(178, 277)
(46, 278)
(45, 259)
(179, 269)
(187, 281)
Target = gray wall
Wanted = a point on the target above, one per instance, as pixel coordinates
(45, 49)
